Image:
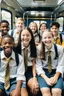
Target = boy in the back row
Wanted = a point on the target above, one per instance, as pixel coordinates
(58, 37)
(15, 33)
(4, 28)
(12, 79)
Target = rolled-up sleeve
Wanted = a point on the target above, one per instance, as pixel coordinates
(60, 66)
(21, 69)
(39, 67)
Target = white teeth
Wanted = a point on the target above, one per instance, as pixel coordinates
(7, 47)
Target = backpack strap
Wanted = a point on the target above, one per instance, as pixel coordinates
(39, 37)
(0, 58)
(17, 58)
(61, 38)
(12, 32)
(56, 51)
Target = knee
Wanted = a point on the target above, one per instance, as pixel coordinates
(56, 92)
(24, 92)
(45, 91)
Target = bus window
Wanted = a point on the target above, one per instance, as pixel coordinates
(6, 15)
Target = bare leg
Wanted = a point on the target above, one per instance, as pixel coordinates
(56, 92)
(45, 92)
(24, 92)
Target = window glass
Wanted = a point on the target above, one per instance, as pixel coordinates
(6, 15)
(60, 21)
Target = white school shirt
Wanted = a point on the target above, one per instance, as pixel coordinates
(15, 71)
(15, 34)
(36, 37)
(29, 58)
(57, 64)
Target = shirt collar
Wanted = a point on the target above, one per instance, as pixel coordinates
(57, 37)
(52, 49)
(16, 31)
(4, 57)
(35, 34)
(25, 47)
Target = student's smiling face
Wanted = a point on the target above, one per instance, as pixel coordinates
(33, 27)
(7, 44)
(54, 30)
(43, 27)
(25, 37)
(20, 25)
(47, 38)
(4, 28)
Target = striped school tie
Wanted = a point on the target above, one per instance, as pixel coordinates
(26, 58)
(7, 75)
(49, 62)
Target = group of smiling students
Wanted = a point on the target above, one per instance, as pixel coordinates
(31, 73)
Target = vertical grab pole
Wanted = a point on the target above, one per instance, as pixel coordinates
(0, 30)
(55, 17)
(23, 15)
(27, 20)
(51, 17)
(0, 10)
